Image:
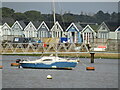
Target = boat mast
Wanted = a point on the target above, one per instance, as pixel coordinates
(54, 17)
(54, 11)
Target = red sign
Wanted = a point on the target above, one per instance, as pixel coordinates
(102, 47)
(44, 45)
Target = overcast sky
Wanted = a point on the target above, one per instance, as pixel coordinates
(73, 7)
(60, 0)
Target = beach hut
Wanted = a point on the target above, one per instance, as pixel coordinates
(88, 34)
(30, 31)
(56, 30)
(117, 31)
(74, 33)
(103, 31)
(43, 31)
(17, 29)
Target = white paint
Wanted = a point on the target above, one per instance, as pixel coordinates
(5, 30)
(99, 49)
(54, 66)
(73, 26)
(55, 29)
(0, 30)
(112, 35)
(43, 23)
(17, 29)
(30, 30)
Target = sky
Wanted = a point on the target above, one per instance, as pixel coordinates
(73, 7)
(60, 0)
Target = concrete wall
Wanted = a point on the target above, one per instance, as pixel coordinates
(0, 30)
(113, 45)
(112, 35)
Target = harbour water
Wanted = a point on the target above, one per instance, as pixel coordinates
(104, 76)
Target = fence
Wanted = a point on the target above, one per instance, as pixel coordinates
(42, 47)
(14, 48)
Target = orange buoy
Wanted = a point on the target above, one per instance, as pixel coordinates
(90, 68)
(1, 67)
(15, 64)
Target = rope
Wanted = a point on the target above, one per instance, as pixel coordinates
(81, 61)
(62, 19)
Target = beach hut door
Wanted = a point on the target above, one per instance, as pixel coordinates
(73, 36)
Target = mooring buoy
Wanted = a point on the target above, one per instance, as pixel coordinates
(15, 64)
(1, 67)
(90, 68)
(49, 77)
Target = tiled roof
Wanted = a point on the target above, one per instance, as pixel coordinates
(64, 25)
(94, 27)
(9, 21)
(22, 24)
(112, 25)
(36, 24)
(49, 24)
(83, 25)
(79, 26)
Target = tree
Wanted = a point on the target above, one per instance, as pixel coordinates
(114, 17)
(19, 16)
(68, 17)
(107, 16)
(99, 16)
(7, 12)
(33, 15)
(0, 15)
(119, 18)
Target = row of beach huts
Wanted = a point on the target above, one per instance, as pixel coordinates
(76, 32)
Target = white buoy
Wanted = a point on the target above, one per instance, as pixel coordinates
(49, 77)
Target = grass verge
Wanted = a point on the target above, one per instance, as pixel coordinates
(81, 55)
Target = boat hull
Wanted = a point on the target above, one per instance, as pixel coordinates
(56, 65)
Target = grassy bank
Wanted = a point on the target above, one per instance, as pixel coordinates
(97, 55)
(81, 55)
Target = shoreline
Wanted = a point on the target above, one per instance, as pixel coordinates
(82, 55)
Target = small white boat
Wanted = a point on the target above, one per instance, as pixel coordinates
(50, 62)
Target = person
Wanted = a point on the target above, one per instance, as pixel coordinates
(39, 41)
(88, 46)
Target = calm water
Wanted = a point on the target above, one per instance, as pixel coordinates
(104, 76)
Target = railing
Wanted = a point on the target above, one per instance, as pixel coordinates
(42, 47)
(14, 48)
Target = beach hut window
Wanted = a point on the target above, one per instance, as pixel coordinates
(58, 34)
(57, 27)
(89, 35)
(72, 27)
(43, 26)
(103, 28)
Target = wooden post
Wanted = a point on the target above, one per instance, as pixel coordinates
(92, 57)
